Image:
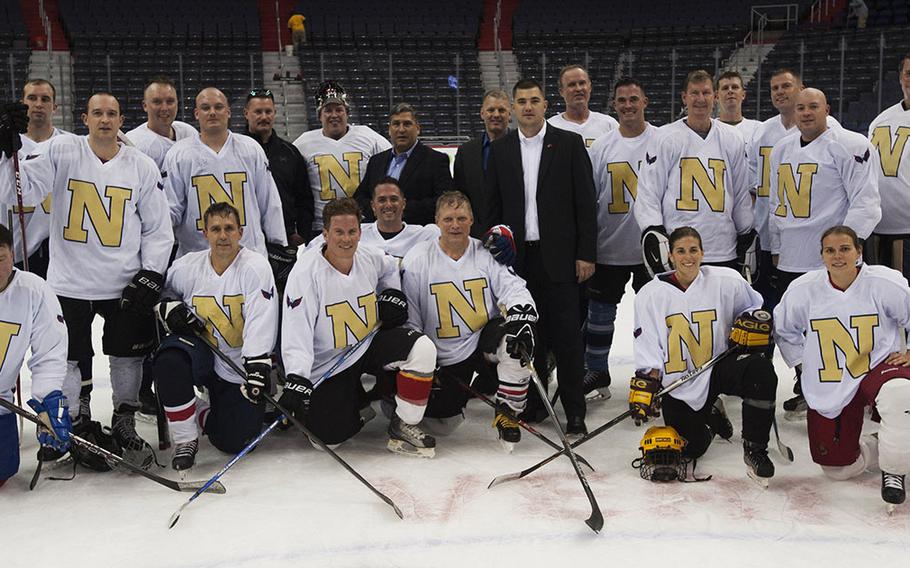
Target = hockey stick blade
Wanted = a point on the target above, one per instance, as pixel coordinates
(601, 429)
(216, 488)
(783, 448)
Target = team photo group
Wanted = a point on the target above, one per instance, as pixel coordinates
(248, 283)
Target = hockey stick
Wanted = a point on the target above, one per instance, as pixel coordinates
(21, 213)
(596, 520)
(286, 415)
(508, 412)
(217, 488)
(783, 448)
(669, 388)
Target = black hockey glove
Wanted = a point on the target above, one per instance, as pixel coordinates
(296, 396)
(752, 331)
(655, 250)
(282, 259)
(747, 247)
(642, 401)
(393, 308)
(258, 369)
(13, 121)
(520, 327)
(143, 292)
(178, 318)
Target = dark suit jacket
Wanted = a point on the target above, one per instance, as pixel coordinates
(566, 206)
(468, 179)
(425, 176)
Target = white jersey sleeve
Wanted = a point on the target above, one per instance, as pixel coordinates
(32, 321)
(889, 133)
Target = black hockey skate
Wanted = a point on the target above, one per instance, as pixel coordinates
(597, 385)
(758, 464)
(893, 492)
(795, 408)
(185, 455)
(134, 449)
(409, 439)
(718, 421)
(507, 427)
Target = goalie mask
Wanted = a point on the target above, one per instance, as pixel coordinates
(330, 92)
(661, 455)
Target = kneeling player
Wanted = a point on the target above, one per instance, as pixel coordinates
(232, 294)
(455, 287)
(336, 295)
(844, 324)
(682, 319)
(32, 319)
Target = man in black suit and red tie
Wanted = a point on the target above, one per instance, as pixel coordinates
(422, 173)
(540, 183)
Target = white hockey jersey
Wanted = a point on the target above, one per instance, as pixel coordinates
(195, 177)
(398, 246)
(31, 320)
(239, 307)
(889, 133)
(109, 220)
(590, 130)
(451, 300)
(830, 181)
(325, 311)
(617, 161)
(337, 166)
(154, 145)
(702, 183)
(768, 133)
(678, 331)
(839, 336)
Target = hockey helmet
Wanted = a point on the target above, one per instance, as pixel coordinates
(661, 455)
(330, 92)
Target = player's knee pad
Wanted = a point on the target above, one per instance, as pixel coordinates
(422, 357)
(893, 405)
(9, 446)
(845, 472)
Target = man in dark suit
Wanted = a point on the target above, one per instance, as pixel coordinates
(540, 183)
(472, 156)
(422, 173)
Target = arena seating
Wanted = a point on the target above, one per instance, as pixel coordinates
(13, 42)
(216, 43)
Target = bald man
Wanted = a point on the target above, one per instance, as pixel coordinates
(219, 166)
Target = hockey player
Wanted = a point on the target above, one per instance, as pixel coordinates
(226, 293)
(156, 136)
(389, 232)
(616, 158)
(110, 240)
(730, 97)
(335, 297)
(455, 288)
(336, 154)
(684, 318)
(575, 89)
(220, 166)
(846, 325)
(889, 133)
(32, 320)
(695, 174)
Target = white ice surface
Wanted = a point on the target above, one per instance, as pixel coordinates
(290, 505)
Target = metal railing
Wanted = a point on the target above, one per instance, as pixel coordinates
(820, 10)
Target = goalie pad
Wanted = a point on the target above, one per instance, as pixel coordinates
(655, 250)
(747, 248)
(752, 330)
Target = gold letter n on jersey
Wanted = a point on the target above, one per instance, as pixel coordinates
(345, 318)
(833, 337)
(450, 301)
(229, 325)
(330, 169)
(622, 177)
(700, 348)
(691, 173)
(8, 330)
(798, 196)
(209, 190)
(889, 153)
(87, 200)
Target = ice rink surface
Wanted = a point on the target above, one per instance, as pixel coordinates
(288, 504)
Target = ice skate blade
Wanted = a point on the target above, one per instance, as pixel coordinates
(404, 448)
(889, 508)
(761, 481)
(507, 446)
(599, 395)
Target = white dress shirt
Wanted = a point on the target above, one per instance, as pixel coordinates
(531, 148)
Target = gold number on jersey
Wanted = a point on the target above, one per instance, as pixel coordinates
(450, 301)
(764, 155)
(87, 201)
(890, 153)
(8, 330)
(798, 196)
(209, 190)
(622, 178)
(330, 169)
(346, 319)
(833, 337)
(700, 348)
(229, 324)
(691, 173)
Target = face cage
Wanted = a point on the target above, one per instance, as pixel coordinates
(661, 466)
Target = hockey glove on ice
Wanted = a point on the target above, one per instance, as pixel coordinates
(501, 244)
(393, 308)
(520, 327)
(258, 369)
(642, 402)
(143, 292)
(178, 318)
(55, 407)
(296, 396)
